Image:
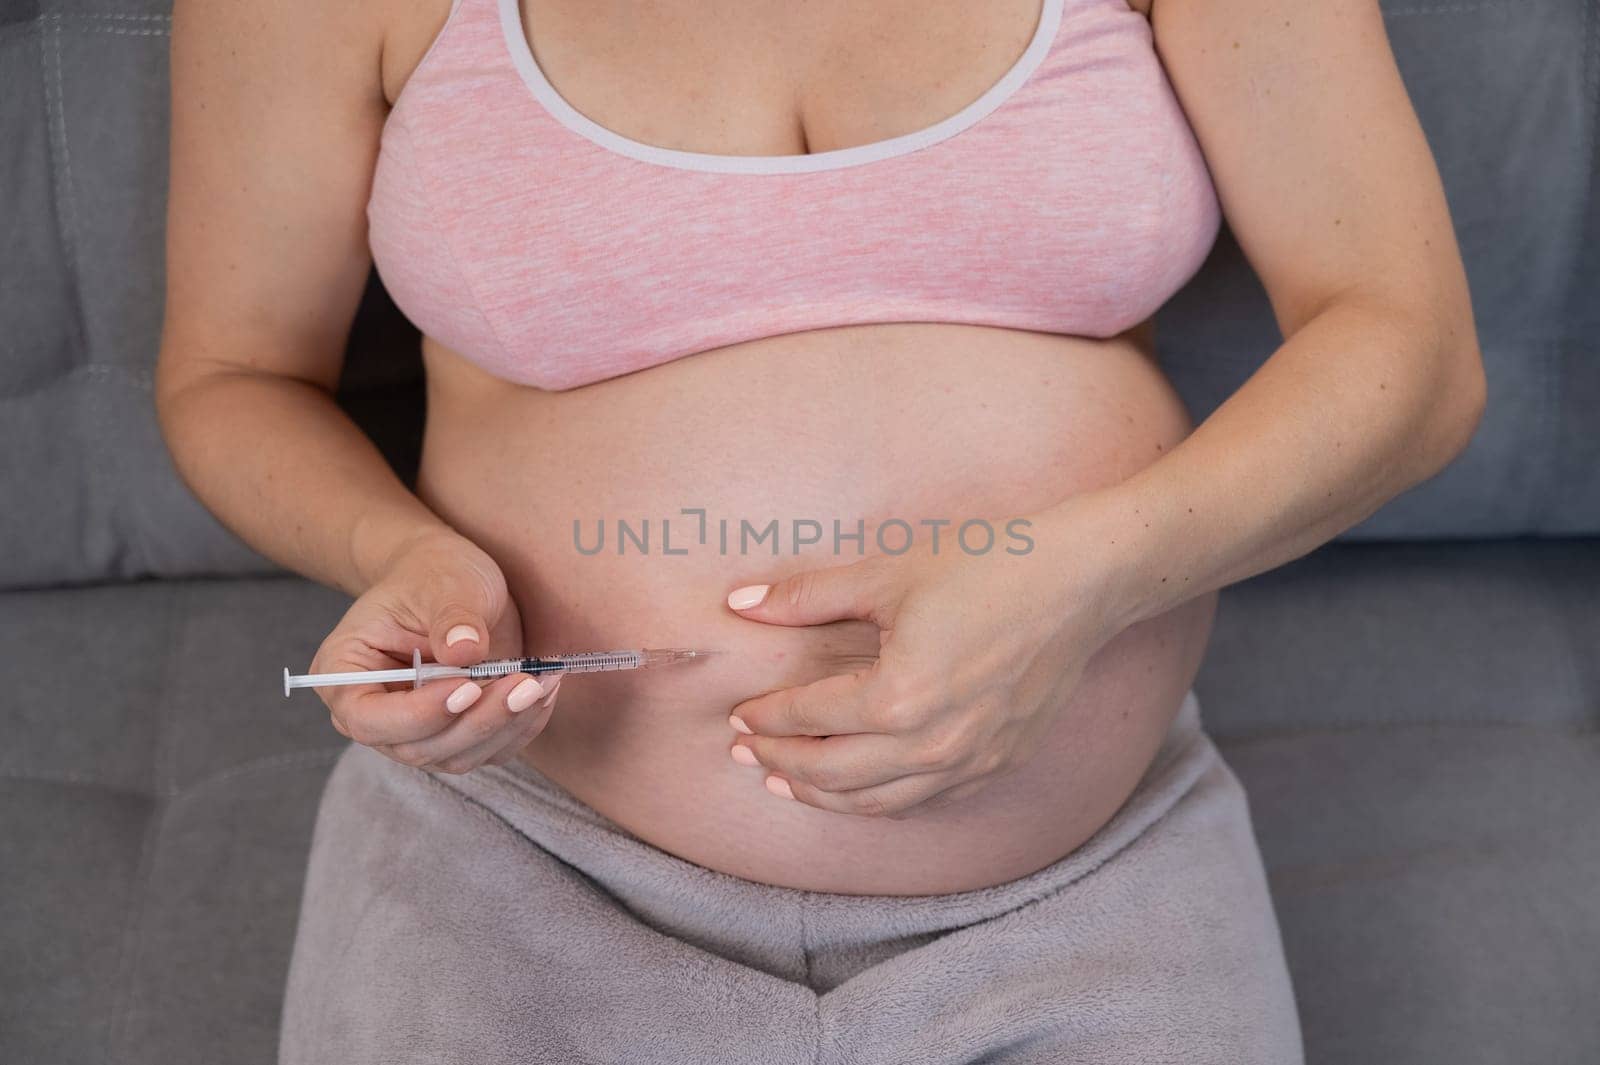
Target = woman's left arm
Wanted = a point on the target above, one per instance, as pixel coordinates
(1327, 183)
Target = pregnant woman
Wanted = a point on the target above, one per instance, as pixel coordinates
(817, 335)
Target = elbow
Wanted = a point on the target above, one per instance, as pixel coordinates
(1460, 398)
(1476, 400)
(162, 391)
(168, 390)
(166, 393)
(1455, 390)
(1442, 405)
(179, 393)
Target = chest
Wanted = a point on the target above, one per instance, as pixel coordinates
(608, 206)
(734, 77)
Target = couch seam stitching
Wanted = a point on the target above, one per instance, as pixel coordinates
(133, 929)
(1548, 435)
(286, 760)
(134, 926)
(166, 756)
(127, 32)
(64, 210)
(65, 215)
(1271, 735)
(1442, 9)
(1554, 420)
(112, 16)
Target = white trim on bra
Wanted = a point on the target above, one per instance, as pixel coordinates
(553, 103)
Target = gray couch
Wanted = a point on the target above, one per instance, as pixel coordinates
(1413, 708)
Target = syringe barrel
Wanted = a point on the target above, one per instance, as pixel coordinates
(601, 661)
(579, 662)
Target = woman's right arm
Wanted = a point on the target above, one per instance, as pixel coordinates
(276, 114)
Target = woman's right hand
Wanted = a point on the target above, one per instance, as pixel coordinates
(444, 595)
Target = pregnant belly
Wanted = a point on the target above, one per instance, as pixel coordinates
(624, 512)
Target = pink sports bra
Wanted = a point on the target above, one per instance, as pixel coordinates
(1070, 198)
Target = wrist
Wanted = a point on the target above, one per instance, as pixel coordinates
(379, 539)
(1100, 549)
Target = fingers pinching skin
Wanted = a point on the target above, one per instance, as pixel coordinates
(861, 589)
(908, 794)
(828, 763)
(908, 770)
(836, 705)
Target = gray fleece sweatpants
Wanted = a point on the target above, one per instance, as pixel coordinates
(493, 917)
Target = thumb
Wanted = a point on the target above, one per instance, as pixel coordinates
(458, 626)
(815, 597)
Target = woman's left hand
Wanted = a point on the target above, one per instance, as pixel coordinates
(978, 654)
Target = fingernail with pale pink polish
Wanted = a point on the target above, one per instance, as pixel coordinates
(459, 633)
(780, 787)
(523, 695)
(744, 755)
(738, 722)
(463, 697)
(748, 596)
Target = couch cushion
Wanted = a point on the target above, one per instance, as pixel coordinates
(1382, 634)
(156, 798)
(1436, 888)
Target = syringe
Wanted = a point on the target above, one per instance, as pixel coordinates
(420, 672)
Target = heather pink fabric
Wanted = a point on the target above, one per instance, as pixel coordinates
(1071, 198)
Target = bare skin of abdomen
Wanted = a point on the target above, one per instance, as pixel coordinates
(917, 421)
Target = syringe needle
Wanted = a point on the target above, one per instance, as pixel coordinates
(667, 656)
